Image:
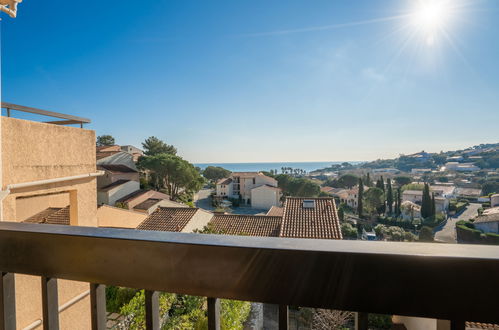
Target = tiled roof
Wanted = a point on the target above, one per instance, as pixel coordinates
(492, 217)
(145, 205)
(224, 181)
(116, 168)
(113, 185)
(52, 216)
(104, 154)
(320, 221)
(246, 173)
(413, 192)
(168, 219)
(276, 211)
(152, 194)
(249, 225)
(476, 325)
(267, 186)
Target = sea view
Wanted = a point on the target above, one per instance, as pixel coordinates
(254, 167)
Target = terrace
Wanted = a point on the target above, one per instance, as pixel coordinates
(412, 279)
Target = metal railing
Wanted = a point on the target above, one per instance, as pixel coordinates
(443, 281)
(67, 119)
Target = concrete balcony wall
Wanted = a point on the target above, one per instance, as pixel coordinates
(34, 151)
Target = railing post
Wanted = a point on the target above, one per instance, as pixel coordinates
(152, 310)
(50, 304)
(361, 321)
(213, 314)
(98, 306)
(7, 302)
(283, 317)
(457, 324)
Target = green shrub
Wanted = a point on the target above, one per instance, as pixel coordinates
(117, 296)
(379, 321)
(491, 238)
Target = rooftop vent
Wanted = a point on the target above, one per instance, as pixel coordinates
(308, 204)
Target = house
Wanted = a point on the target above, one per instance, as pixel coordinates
(48, 176)
(416, 197)
(134, 151)
(117, 182)
(347, 196)
(488, 223)
(252, 188)
(444, 190)
(410, 210)
(461, 167)
(468, 192)
(177, 219)
(146, 201)
(420, 171)
(494, 200)
(299, 218)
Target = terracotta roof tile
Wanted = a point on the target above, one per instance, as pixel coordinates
(249, 225)
(145, 205)
(51, 216)
(476, 325)
(319, 222)
(113, 185)
(116, 168)
(168, 219)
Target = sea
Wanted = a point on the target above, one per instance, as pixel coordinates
(255, 167)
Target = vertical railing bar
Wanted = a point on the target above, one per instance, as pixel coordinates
(213, 313)
(152, 310)
(457, 324)
(98, 306)
(361, 321)
(283, 317)
(7, 301)
(50, 304)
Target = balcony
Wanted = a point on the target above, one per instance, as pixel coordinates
(412, 279)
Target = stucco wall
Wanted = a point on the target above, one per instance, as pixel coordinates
(111, 196)
(109, 216)
(33, 151)
(264, 197)
(29, 206)
(109, 178)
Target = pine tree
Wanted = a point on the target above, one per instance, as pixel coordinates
(360, 196)
(368, 180)
(389, 196)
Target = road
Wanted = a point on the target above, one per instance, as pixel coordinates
(448, 233)
(202, 199)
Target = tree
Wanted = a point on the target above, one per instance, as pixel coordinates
(360, 198)
(325, 319)
(381, 185)
(389, 196)
(402, 180)
(173, 173)
(348, 180)
(374, 199)
(490, 187)
(433, 205)
(215, 173)
(398, 203)
(298, 187)
(426, 202)
(105, 140)
(426, 234)
(348, 231)
(369, 183)
(154, 146)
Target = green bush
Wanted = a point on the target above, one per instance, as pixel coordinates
(348, 231)
(379, 321)
(491, 238)
(117, 296)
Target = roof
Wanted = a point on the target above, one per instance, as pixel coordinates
(246, 173)
(52, 216)
(117, 168)
(477, 325)
(492, 217)
(249, 225)
(147, 204)
(267, 186)
(224, 181)
(469, 192)
(104, 154)
(107, 148)
(319, 222)
(413, 192)
(136, 194)
(113, 185)
(276, 211)
(168, 219)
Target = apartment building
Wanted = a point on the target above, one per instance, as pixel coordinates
(252, 188)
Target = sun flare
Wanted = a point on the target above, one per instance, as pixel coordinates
(431, 18)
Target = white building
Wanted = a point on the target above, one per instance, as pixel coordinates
(416, 197)
(243, 186)
(461, 167)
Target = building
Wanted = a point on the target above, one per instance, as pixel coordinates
(176, 219)
(468, 192)
(416, 197)
(444, 190)
(117, 182)
(494, 200)
(134, 151)
(252, 188)
(488, 223)
(420, 171)
(299, 218)
(410, 210)
(48, 176)
(461, 167)
(146, 201)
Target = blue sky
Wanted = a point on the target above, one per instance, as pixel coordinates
(251, 81)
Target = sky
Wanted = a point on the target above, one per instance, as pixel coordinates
(263, 80)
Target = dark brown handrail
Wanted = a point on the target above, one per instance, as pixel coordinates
(443, 281)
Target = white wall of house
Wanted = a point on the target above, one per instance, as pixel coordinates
(488, 227)
(225, 190)
(110, 197)
(412, 196)
(264, 197)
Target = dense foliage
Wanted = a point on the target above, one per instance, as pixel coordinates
(298, 187)
(105, 140)
(215, 173)
(154, 146)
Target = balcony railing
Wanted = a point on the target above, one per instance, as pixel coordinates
(67, 119)
(443, 281)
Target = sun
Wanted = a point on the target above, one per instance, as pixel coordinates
(431, 18)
